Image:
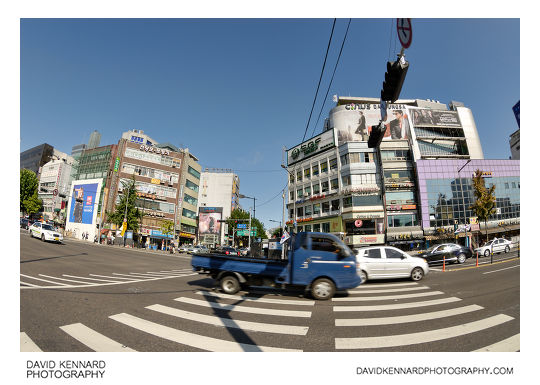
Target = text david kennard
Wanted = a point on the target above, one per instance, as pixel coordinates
(65, 369)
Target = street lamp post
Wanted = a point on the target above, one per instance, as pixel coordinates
(272, 220)
(245, 196)
(294, 201)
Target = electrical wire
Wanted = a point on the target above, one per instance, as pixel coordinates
(322, 71)
(274, 197)
(332, 79)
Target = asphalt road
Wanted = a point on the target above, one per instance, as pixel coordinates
(84, 297)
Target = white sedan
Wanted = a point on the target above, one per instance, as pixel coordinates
(45, 232)
(497, 245)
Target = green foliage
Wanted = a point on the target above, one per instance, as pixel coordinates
(485, 204)
(255, 223)
(33, 204)
(277, 233)
(133, 214)
(28, 192)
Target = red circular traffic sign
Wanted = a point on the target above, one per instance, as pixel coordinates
(404, 31)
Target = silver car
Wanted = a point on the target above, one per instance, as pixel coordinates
(383, 262)
(496, 245)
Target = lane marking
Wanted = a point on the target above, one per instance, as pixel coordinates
(385, 285)
(386, 297)
(376, 291)
(94, 340)
(407, 318)
(245, 309)
(256, 299)
(92, 279)
(407, 305)
(421, 337)
(108, 276)
(44, 280)
(510, 344)
(506, 268)
(62, 279)
(230, 323)
(27, 345)
(29, 284)
(190, 339)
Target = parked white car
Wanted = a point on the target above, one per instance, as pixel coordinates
(383, 262)
(45, 232)
(496, 245)
(199, 249)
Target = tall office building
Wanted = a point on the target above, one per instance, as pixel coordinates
(95, 138)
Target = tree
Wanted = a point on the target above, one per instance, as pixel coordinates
(29, 200)
(485, 203)
(277, 233)
(167, 228)
(133, 215)
(242, 216)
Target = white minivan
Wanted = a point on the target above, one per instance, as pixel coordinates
(383, 262)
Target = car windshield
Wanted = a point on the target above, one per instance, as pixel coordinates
(432, 248)
(47, 227)
(488, 243)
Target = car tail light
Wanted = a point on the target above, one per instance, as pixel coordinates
(227, 252)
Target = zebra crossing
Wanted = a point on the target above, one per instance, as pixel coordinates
(222, 313)
(205, 320)
(362, 333)
(44, 281)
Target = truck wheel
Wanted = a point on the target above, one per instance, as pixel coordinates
(229, 284)
(323, 289)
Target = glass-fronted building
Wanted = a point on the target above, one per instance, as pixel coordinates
(446, 194)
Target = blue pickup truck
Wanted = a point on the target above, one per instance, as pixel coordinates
(319, 262)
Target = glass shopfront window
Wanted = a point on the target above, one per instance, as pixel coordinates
(367, 227)
(402, 220)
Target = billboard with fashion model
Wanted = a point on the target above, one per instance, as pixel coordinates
(353, 122)
(209, 220)
(422, 117)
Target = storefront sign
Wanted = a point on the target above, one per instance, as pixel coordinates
(155, 150)
(311, 147)
(358, 223)
(487, 174)
(400, 207)
(366, 215)
(187, 235)
(364, 239)
(116, 164)
(155, 181)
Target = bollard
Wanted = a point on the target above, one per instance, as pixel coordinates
(477, 259)
(444, 263)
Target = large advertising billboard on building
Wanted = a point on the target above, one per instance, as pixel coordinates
(82, 207)
(353, 122)
(209, 220)
(422, 117)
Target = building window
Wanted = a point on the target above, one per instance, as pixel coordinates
(291, 178)
(315, 169)
(307, 228)
(189, 214)
(316, 208)
(316, 188)
(299, 176)
(326, 227)
(367, 227)
(194, 172)
(308, 210)
(346, 180)
(307, 190)
(192, 186)
(333, 164)
(324, 187)
(334, 184)
(324, 167)
(317, 227)
(299, 193)
(344, 159)
(402, 220)
(291, 213)
(291, 195)
(325, 207)
(299, 211)
(307, 173)
(189, 199)
(335, 205)
(347, 202)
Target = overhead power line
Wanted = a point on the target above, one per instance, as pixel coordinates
(320, 78)
(332, 79)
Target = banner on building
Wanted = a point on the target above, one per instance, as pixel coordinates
(209, 220)
(83, 202)
(353, 122)
(422, 117)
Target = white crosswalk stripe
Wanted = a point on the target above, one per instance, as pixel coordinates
(256, 299)
(387, 297)
(408, 318)
(27, 345)
(385, 285)
(381, 290)
(190, 339)
(510, 344)
(230, 323)
(421, 337)
(245, 309)
(94, 340)
(406, 305)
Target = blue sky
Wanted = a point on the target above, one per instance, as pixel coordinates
(235, 91)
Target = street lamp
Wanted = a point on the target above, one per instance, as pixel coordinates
(272, 220)
(245, 196)
(294, 200)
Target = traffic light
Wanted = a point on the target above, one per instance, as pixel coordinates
(393, 79)
(376, 135)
